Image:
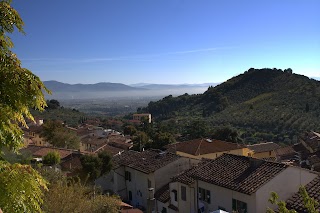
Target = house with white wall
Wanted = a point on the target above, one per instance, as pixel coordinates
(137, 175)
(179, 194)
(232, 183)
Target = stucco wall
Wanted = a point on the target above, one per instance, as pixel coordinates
(160, 205)
(163, 175)
(223, 197)
(139, 187)
(114, 181)
(285, 184)
(261, 155)
(187, 206)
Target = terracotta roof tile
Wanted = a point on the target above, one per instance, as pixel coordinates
(238, 173)
(40, 151)
(187, 177)
(72, 164)
(264, 147)
(296, 201)
(110, 149)
(163, 194)
(45, 150)
(204, 146)
(312, 139)
(94, 140)
(173, 208)
(147, 161)
(285, 151)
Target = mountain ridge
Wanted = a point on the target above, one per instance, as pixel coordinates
(272, 100)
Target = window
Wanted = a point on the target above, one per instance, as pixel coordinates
(204, 195)
(239, 206)
(130, 195)
(270, 153)
(175, 195)
(128, 176)
(183, 193)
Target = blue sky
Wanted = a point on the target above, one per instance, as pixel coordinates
(166, 41)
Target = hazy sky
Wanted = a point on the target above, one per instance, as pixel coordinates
(166, 41)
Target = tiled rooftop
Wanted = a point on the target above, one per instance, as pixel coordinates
(72, 164)
(312, 139)
(147, 161)
(285, 151)
(264, 147)
(40, 151)
(187, 177)
(94, 140)
(296, 201)
(163, 194)
(238, 173)
(204, 146)
(110, 149)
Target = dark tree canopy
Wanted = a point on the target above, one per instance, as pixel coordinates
(96, 166)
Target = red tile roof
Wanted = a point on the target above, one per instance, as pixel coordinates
(147, 161)
(204, 146)
(264, 147)
(285, 151)
(45, 150)
(173, 208)
(110, 149)
(238, 173)
(312, 139)
(187, 176)
(163, 194)
(296, 201)
(40, 151)
(72, 164)
(94, 140)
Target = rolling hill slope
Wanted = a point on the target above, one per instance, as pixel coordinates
(271, 101)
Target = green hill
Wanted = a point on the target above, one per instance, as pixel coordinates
(265, 104)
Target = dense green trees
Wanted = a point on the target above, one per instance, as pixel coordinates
(56, 134)
(263, 104)
(96, 166)
(161, 139)
(52, 158)
(226, 134)
(140, 139)
(129, 130)
(52, 104)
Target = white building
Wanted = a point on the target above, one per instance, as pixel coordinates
(231, 183)
(137, 175)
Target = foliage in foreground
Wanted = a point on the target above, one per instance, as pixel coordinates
(310, 204)
(72, 196)
(21, 188)
(20, 185)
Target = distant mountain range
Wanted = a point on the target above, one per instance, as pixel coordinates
(105, 90)
(170, 86)
(56, 86)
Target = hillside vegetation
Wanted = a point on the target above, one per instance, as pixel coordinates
(264, 104)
